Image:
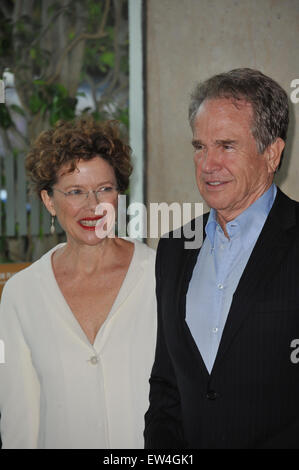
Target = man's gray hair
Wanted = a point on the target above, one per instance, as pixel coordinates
(268, 99)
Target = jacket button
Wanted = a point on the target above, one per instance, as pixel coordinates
(212, 395)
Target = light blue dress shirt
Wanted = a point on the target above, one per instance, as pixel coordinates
(217, 272)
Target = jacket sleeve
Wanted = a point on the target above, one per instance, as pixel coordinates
(19, 385)
(163, 427)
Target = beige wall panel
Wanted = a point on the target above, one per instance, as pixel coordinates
(190, 40)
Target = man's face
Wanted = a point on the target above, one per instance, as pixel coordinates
(230, 172)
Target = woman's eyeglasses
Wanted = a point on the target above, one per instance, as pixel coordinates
(78, 196)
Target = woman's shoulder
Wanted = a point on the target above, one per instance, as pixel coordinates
(28, 276)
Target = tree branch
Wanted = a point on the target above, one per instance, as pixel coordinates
(93, 90)
(5, 11)
(117, 8)
(18, 133)
(105, 80)
(6, 141)
(48, 25)
(83, 36)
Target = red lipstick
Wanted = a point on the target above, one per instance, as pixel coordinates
(89, 223)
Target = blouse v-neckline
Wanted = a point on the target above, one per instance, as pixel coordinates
(129, 282)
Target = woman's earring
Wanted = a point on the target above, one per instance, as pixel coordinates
(52, 228)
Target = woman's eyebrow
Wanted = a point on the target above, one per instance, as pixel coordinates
(76, 185)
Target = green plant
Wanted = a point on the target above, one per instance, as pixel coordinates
(51, 47)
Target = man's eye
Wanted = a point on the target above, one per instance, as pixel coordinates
(105, 189)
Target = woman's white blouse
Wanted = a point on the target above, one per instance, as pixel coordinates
(56, 389)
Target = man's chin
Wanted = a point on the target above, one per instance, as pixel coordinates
(216, 202)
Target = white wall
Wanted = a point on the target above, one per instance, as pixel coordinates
(190, 40)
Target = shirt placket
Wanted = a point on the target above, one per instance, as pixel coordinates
(223, 257)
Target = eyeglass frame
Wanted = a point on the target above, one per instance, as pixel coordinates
(96, 192)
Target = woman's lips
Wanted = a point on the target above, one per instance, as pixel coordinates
(89, 223)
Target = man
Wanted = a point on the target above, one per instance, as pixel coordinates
(228, 312)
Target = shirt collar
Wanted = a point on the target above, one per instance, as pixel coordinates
(249, 223)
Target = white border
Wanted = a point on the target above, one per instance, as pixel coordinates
(136, 107)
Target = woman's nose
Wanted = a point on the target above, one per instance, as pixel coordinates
(93, 198)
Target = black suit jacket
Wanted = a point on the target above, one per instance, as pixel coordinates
(251, 397)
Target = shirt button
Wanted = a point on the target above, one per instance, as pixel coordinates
(220, 286)
(94, 360)
(212, 395)
(215, 330)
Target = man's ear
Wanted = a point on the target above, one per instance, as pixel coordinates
(273, 153)
(48, 201)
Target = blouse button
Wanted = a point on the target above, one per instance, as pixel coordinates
(94, 360)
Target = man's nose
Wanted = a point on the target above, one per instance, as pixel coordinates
(210, 161)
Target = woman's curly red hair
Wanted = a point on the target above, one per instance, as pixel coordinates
(71, 141)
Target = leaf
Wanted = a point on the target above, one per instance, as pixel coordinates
(107, 58)
(53, 7)
(39, 82)
(35, 103)
(33, 53)
(5, 118)
(97, 116)
(55, 101)
(62, 91)
(94, 10)
(19, 25)
(43, 108)
(123, 116)
(53, 118)
(111, 33)
(15, 151)
(17, 109)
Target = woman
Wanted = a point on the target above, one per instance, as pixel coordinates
(79, 324)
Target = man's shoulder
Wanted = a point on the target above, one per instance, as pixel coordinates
(189, 236)
(281, 195)
(285, 210)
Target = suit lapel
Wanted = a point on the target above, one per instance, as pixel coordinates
(189, 260)
(267, 255)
